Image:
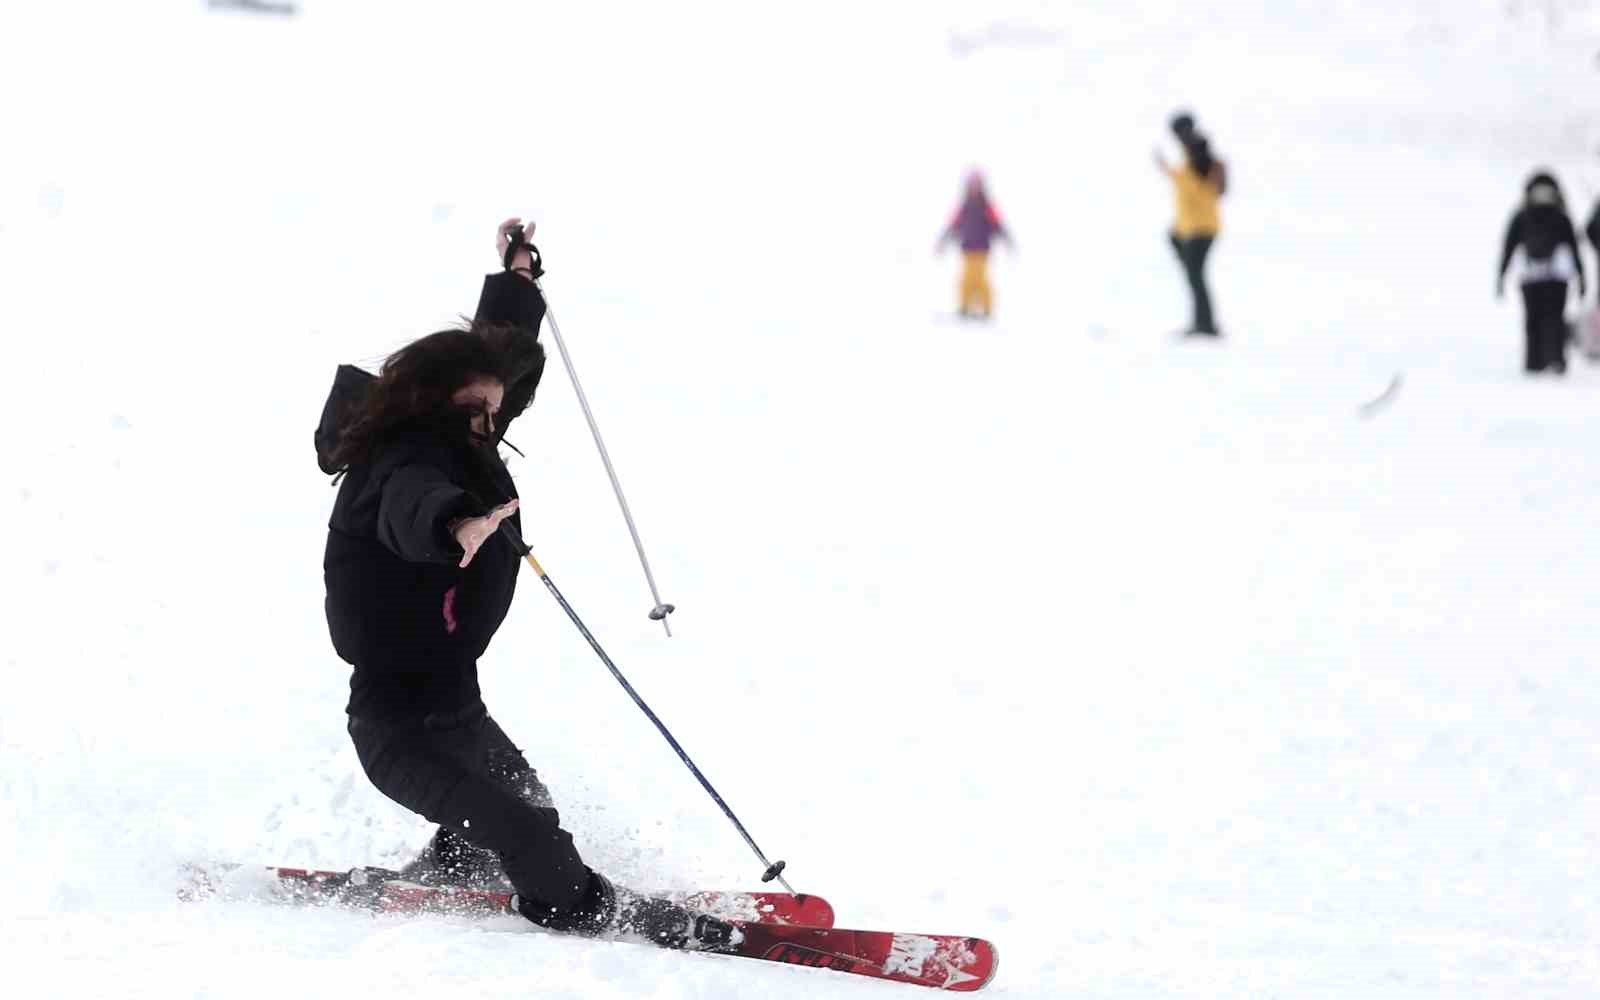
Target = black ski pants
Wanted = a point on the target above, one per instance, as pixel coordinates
(460, 770)
(1544, 305)
(1192, 252)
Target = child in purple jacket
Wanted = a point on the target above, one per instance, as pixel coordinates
(976, 226)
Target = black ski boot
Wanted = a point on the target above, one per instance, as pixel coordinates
(594, 914)
(670, 925)
(606, 911)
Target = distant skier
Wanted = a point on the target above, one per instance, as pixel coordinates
(1199, 185)
(1587, 332)
(1592, 230)
(1550, 260)
(418, 584)
(976, 225)
(255, 7)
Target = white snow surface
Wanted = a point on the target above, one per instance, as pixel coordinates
(1151, 661)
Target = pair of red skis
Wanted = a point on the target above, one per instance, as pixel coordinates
(776, 926)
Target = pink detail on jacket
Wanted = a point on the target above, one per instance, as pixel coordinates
(450, 611)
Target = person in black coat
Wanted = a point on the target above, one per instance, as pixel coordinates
(417, 585)
(1551, 259)
(1592, 230)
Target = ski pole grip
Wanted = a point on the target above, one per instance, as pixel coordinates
(514, 537)
(774, 871)
(519, 241)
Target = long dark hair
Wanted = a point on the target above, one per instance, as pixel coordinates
(416, 382)
(1199, 149)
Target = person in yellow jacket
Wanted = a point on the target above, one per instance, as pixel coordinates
(1199, 185)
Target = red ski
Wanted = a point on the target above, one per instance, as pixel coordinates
(802, 910)
(941, 961)
(384, 891)
(773, 926)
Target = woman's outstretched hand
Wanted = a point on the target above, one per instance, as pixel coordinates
(523, 259)
(474, 531)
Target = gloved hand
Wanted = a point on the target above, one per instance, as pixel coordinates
(523, 260)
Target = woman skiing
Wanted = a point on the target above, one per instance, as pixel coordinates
(1550, 259)
(1198, 186)
(417, 585)
(976, 225)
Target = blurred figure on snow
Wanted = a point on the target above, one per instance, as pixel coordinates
(976, 226)
(1592, 230)
(1550, 259)
(1588, 326)
(1199, 185)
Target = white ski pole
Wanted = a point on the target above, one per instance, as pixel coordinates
(661, 609)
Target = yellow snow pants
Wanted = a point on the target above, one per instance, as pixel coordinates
(977, 298)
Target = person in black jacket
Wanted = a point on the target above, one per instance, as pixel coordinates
(1592, 230)
(1551, 259)
(417, 585)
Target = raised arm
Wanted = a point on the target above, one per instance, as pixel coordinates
(511, 298)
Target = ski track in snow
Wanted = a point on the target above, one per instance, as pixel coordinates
(1151, 661)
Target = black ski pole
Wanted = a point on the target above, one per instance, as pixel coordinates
(774, 870)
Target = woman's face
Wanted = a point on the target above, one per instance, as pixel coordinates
(483, 396)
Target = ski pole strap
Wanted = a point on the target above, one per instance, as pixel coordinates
(519, 241)
(514, 242)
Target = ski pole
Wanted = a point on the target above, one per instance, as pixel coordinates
(774, 870)
(519, 242)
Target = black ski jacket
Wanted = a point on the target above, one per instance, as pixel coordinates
(1540, 230)
(400, 609)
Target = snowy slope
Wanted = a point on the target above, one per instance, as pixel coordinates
(1152, 662)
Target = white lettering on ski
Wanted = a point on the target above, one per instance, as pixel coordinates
(908, 953)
